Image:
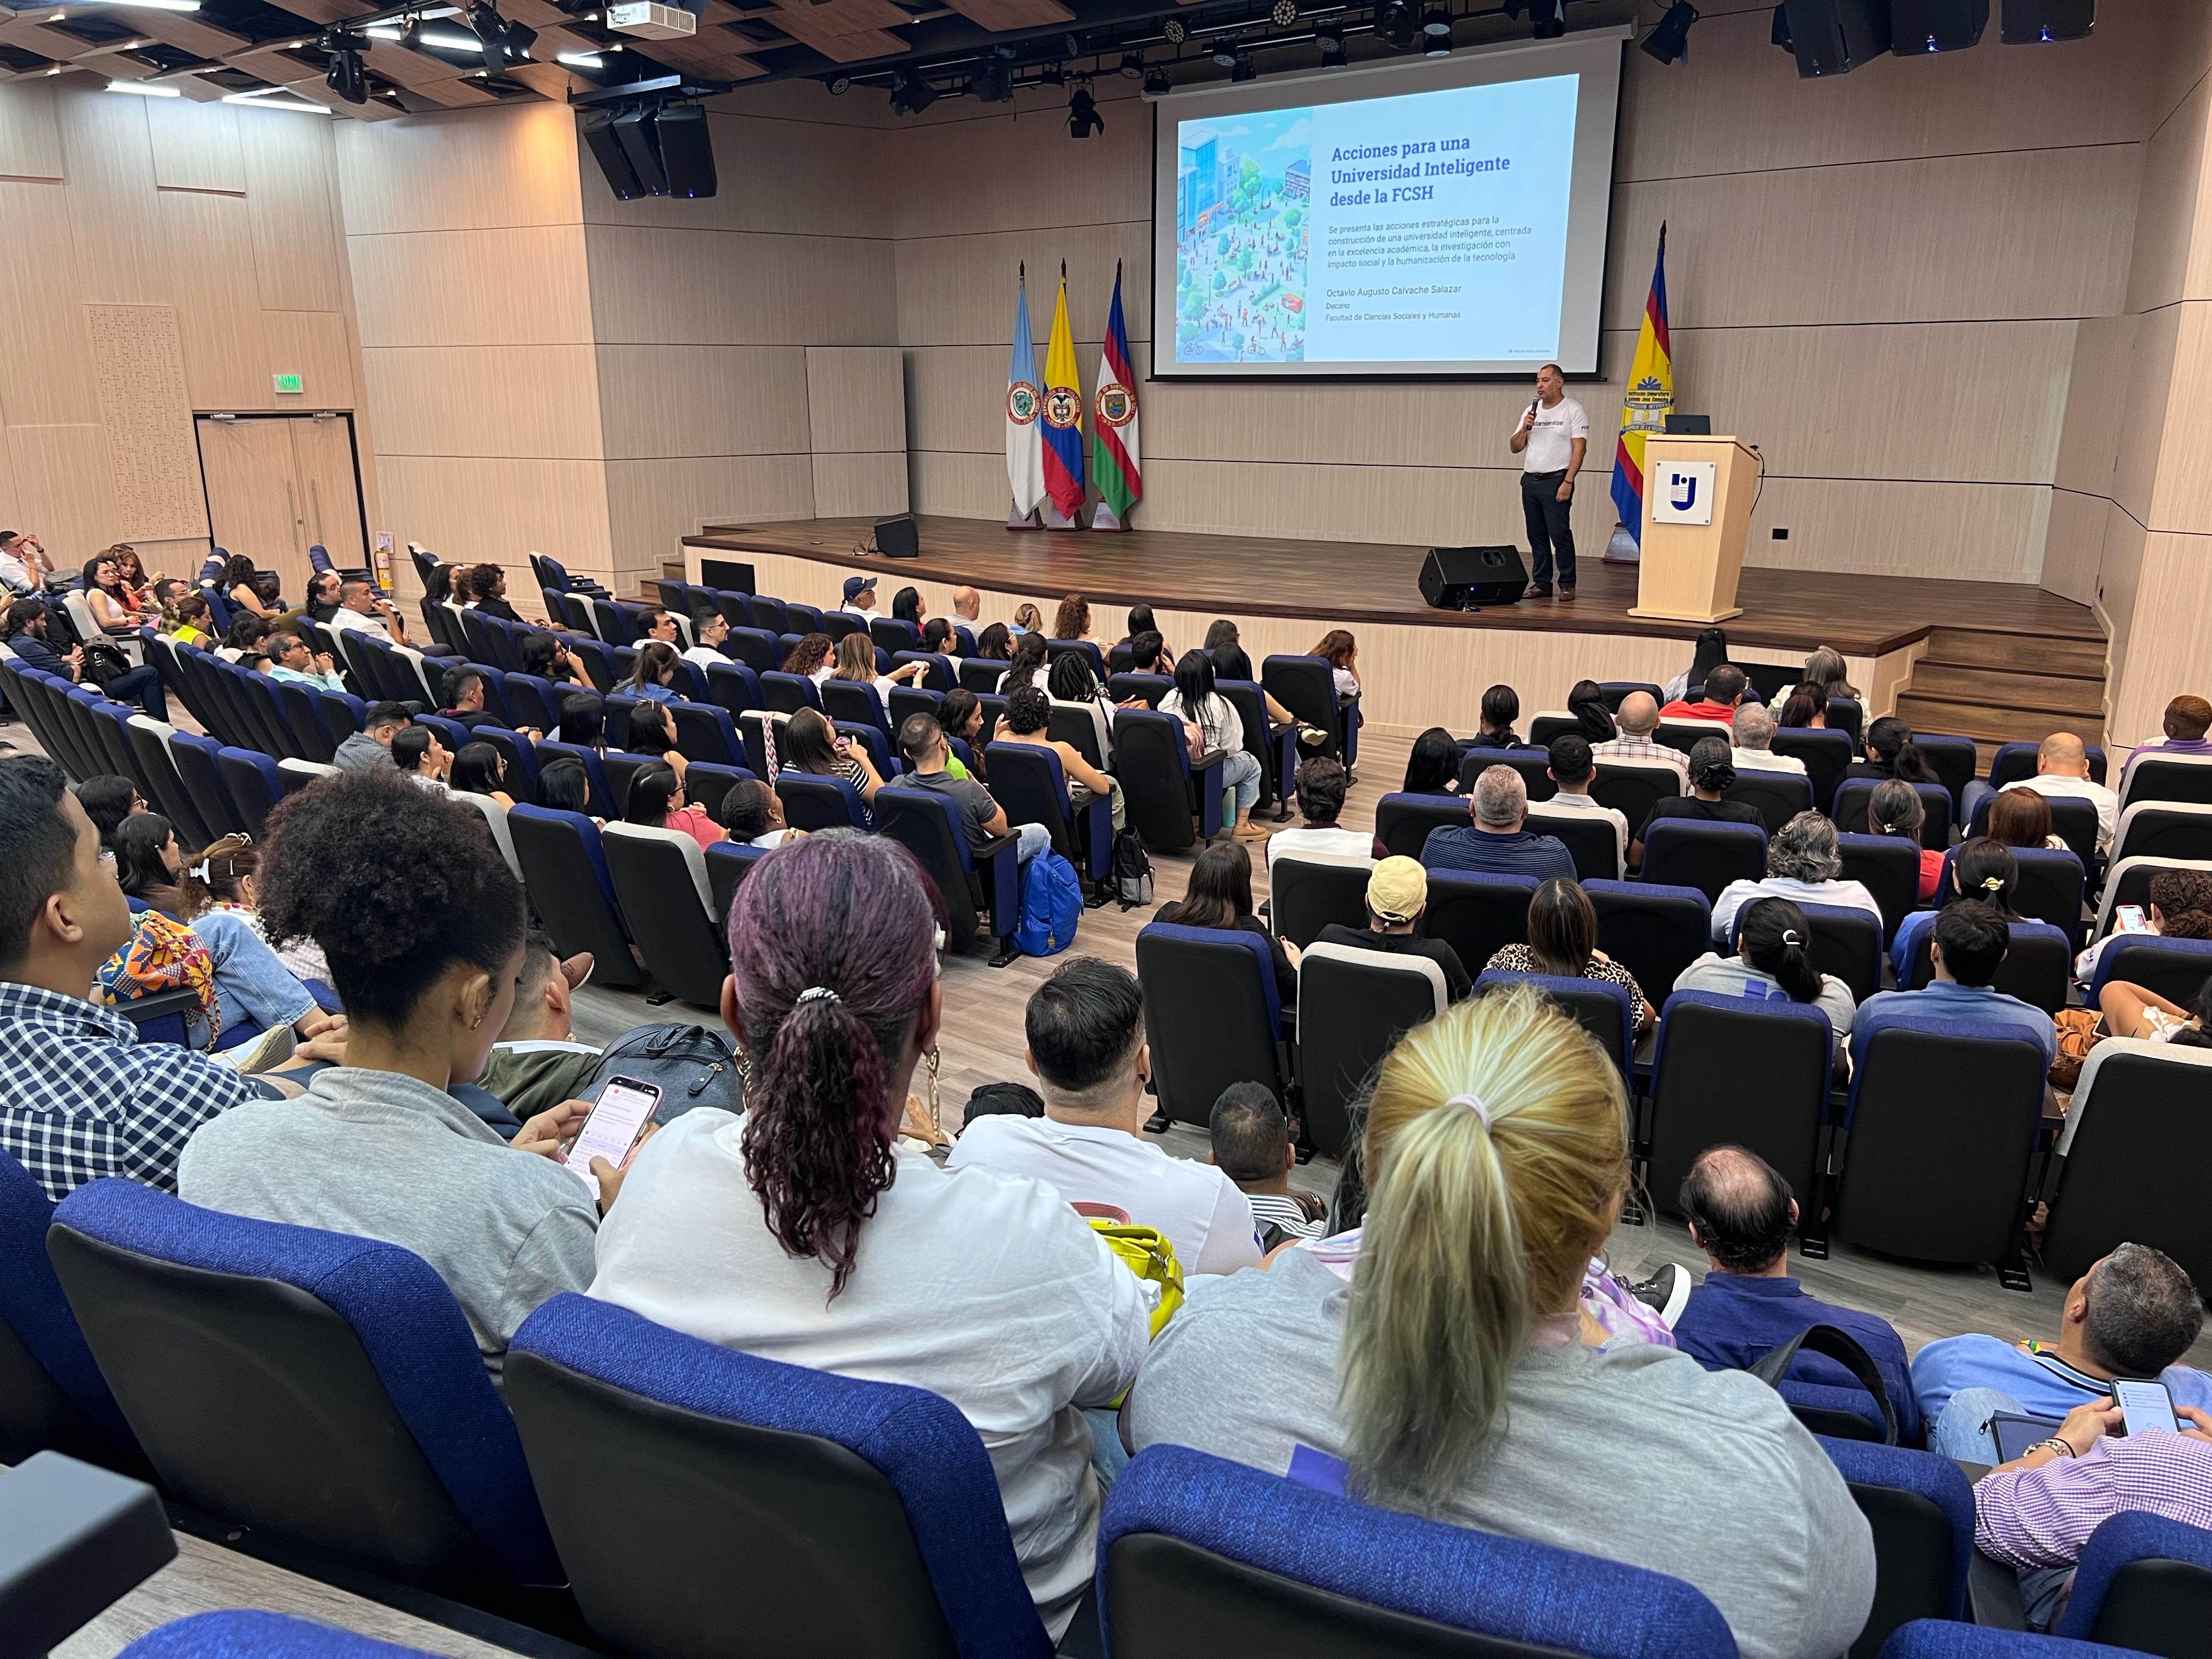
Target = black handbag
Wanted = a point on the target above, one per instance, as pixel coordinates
(1845, 1350)
(691, 1065)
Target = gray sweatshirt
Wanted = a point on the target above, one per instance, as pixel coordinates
(1637, 1453)
(362, 753)
(384, 1156)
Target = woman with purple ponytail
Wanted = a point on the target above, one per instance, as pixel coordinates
(803, 1232)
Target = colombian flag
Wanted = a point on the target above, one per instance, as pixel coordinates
(1647, 403)
(1063, 413)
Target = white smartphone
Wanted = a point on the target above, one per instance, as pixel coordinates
(2131, 920)
(2146, 1407)
(625, 1106)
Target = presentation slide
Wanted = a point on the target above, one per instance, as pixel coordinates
(1442, 217)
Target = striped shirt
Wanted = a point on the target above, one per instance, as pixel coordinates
(2043, 1517)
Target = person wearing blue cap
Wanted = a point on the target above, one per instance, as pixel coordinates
(860, 595)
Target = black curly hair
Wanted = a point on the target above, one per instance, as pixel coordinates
(396, 883)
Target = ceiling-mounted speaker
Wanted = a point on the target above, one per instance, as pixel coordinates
(598, 128)
(1834, 37)
(633, 130)
(1918, 27)
(687, 150)
(2028, 22)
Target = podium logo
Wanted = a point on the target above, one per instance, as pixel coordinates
(1684, 496)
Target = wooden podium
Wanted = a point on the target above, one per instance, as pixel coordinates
(1688, 570)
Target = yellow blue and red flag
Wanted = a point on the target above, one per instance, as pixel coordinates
(1063, 413)
(1647, 401)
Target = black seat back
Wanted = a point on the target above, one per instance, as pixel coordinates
(1307, 687)
(1846, 942)
(668, 917)
(1828, 755)
(1534, 765)
(1706, 855)
(1354, 1006)
(918, 820)
(1477, 915)
(1402, 823)
(1889, 867)
(1632, 789)
(1855, 795)
(1654, 931)
(1154, 768)
(1590, 840)
(1026, 780)
(1209, 1001)
(2133, 1168)
(1778, 797)
(1705, 1039)
(571, 892)
(2036, 967)
(1305, 895)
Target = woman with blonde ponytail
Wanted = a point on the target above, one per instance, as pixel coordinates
(1461, 1376)
(803, 1230)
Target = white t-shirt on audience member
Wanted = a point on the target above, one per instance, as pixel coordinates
(1204, 1215)
(987, 1290)
(1329, 846)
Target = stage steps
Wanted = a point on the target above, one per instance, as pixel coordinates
(1998, 687)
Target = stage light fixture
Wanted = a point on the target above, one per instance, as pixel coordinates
(1283, 13)
(1329, 37)
(1083, 115)
(1157, 84)
(1223, 53)
(1669, 42)
(345, 75)
(1133, 66)
(1395, 24)
(911, 94)
(994, 81)
(1052, 75)
(1438, 19)
(1175, 31)
(520, 36)
(1246, 69)
(490, 30)
(1435, 45)
(840, 85)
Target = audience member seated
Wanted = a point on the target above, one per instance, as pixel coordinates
(811, 744)
(537, 1063)
(1141, 623)
(297, 664)
(653, 679)
(907, 605)
(1725, 688)
(2136, 1011)
(814, 657)
(1573, 768)
(856, 660)
(1085, 1027)
(187, 620)
(1029, 715)
(1773, 963)
(584, 722)
(422, 925)
(1501, 707)
(709, 629)
(547, 656)
(1638, 720)
(1711, 651)
(416, 752)
(1068, 678)
(1455, 1382)
(859, 594)
(1027, 667)
(1027, 619)
(563, 785)
(1586, 702)
(1072, 621)
(967, 605)
(655, 624)
(1197, 703)
(250, 985)
(1219, 894)
(1803, 710)
(2135, 1313)
(995, 644)
(2061, 773)
(982, 820)
(488, 593)
(1969, 942)
(227, 876)
(361, 609)
(1826, 675)
(25, 635)
(2022, 817)
(1250, 1137)
(1497, 842)
(656, 800)
(23, 563)
(1563, 944)
(1983, 871)
(652, 730)
(370, 748)
(1340, 652)
(1805, 863)
(2186, 721)
(751, 812)
(1397, 896)
(1432, 768)
(326, 595)
(960, 712)
(1753, 748)
(80, 1097)
(1711, 776)
(1320, 787)
(480, 769)
(747, 1230)
(1741, 1215)
(1891, 753)
(107, 799)
(464, 699)
(246, 633)
(1149, 654)
(937, 637)
(1895, 809)
(241, 584)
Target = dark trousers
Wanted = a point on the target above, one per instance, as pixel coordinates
(143, 687)
(1547, 515)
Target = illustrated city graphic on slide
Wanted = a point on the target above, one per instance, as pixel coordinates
(1244, 189)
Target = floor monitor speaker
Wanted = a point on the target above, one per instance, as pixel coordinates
(1918, 27)
(687, 152)
(1834, 37)
(1457, 578)
(897, 538)
(2027, 21)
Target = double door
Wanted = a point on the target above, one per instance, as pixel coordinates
(277, 485)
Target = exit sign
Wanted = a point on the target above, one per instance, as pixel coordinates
(288, 385)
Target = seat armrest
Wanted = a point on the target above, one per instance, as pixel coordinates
(999, 865)
(1095, 826)
(1205, 778)
(1993, 1595)
(154, 1004)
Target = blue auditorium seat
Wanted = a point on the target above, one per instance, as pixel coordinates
(1921, 1511)
(52, 1397)
(1212, 1015)
(2143, 1582)
(564, 868)
(244, 1634)
(1598, 1006)
(1789, 1046)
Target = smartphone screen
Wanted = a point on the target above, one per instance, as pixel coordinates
(625, 1106)
(2146, 1406)
(2131, 918)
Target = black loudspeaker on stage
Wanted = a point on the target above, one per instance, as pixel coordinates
(1460, 578)
(1925, 26)
(1833, 37)
(897, 538)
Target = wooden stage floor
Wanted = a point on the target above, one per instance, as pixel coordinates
(1376, 583)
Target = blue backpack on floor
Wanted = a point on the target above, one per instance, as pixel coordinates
(1052, 906)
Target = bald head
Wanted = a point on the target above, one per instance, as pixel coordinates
(1740, 1211)
(2062, 756)
(967, 603)
(1639, 714)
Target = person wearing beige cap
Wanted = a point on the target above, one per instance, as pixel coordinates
(1397, 893)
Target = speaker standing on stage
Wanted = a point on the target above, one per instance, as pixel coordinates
(1551, 439)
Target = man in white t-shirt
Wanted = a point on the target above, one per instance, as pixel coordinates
(363, 610)
(1321, 787)
(1551, 440)
(2061, 773)
(1086, 1044)
(1753, 748)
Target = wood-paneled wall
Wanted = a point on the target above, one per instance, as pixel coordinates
(202, 239)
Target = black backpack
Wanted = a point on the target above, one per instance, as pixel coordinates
(1132, 870)
(1845, 1350)
(693, 1066)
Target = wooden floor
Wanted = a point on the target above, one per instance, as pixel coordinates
(1376, 583)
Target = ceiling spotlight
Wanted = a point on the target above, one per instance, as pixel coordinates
(1283, 13)
(1246, 69)
(520, 36)
(911, 94)
(2030, 22)
(345, 76)
(994, 82)
(1083, 115)
(1133, 66)
(490, 30)
(1395, 25)
(1329, 37)
(1436, 21)
(1175, 31)
(1225, 53)
(840, 85)
(1157, 84)
(1670, 41)
(142, 90)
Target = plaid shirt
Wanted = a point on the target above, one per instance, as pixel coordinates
(80, 1098)
(2043, 1517)
(1641, 748)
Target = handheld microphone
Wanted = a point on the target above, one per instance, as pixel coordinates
(1531, 415)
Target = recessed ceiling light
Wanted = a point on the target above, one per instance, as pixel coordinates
(140, 88)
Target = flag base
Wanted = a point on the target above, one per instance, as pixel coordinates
(1017, 519)
(1103, 517)
(1056, 519)
(1622, 548)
